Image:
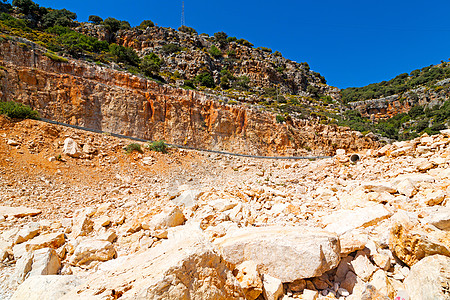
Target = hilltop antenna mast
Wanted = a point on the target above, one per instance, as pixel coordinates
(183, 20)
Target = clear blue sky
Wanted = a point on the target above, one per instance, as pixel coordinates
(351, 43)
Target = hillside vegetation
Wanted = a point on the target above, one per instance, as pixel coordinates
(426, 76)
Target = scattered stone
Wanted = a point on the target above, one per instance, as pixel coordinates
(425, 166)
(13, 143)
(272, 288)
(45, 262)
(27, 232)
(169, 218)
(18, 212)
(82, 224)
(411, 245)
(352, 241)
(89, 252)
(179, 268)
(249, 279)
(439, 217)
(71, 148)
(310, 294)
(362, 266)
(435, 198)
(371, 293)
(382, 261)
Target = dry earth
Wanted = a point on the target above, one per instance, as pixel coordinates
(81, 219)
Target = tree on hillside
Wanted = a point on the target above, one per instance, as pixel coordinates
(146, 23)
(95, 19)
(25, 6)
(221, 37)
(111, 24)
(58, 17)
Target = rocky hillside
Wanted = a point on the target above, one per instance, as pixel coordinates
(80, 218)
(85, 94)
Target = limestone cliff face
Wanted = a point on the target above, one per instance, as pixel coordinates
(87, 95)
(392, 105)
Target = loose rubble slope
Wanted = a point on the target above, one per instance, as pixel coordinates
(82, 219)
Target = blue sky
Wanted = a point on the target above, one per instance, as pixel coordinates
(351, 43)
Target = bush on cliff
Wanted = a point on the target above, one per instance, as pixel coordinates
(124, 54)
(133, 147)
(158, 146)
(18, 110)
(205, 79)
(151, 64)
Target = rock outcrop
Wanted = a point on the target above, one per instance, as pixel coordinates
(84, 94)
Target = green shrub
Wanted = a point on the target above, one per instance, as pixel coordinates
(280, 119)
(188, 30)
(133, 147)
(189, 84)
(151, 64)
(18, 110)
(265, 49)
(158, 146)
(170, 48)
(205, 79)
(55, 57)
(124, 54)
(244, 43)
(215, 52)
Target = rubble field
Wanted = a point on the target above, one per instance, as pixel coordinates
(80, 218)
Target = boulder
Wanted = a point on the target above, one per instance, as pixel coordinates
(288, 253)
(345, 220)
(439, 217)
(371, 293)
(411, 245)
(27, 233)
(49, 240)
(169, 218)
(429, 279)
(71, 148)
(434, 198)
(82, 224)
(362, 266)
(186, 266)
(272, 288)
(249, 279)
(352, 241)
(45, 262)
(48, 287)
(89, 252)
(18, 212)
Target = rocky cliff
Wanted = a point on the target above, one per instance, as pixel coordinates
(390, 106)
(190, 56)
(86, 94)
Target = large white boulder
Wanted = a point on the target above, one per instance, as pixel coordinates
(288, 253)
(429, 278)
(45, 287)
